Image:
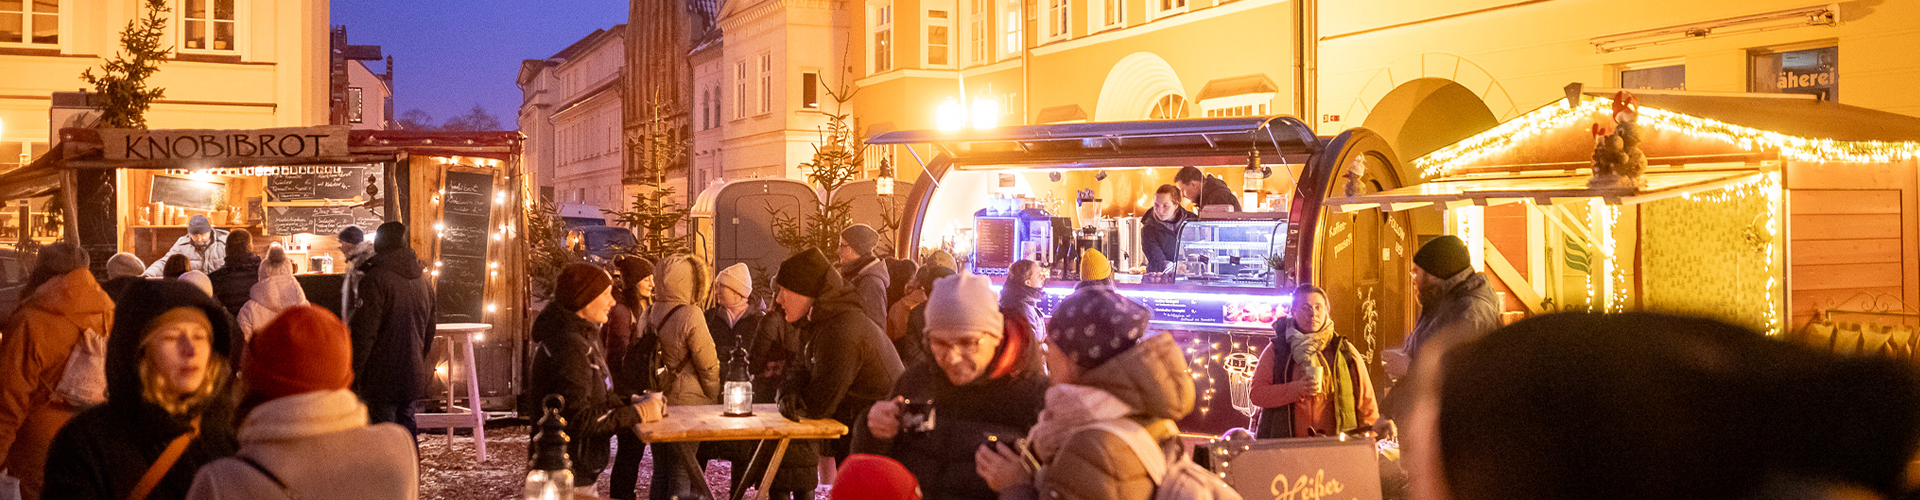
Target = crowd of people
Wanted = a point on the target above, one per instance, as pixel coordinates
(233, 385)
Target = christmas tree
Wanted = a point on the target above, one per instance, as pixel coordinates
(654, 217)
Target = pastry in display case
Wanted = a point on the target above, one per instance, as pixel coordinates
(1229, 252)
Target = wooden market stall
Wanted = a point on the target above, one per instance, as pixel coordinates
(461, 195)
(1770, 211)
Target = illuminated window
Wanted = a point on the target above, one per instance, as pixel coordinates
(207, 25)
(883, 38)
(1170, 107)
(1811, 71)
(939, 39)
(34, 22)
(1010, 24)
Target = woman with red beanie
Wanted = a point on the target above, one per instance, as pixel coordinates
(304, 434)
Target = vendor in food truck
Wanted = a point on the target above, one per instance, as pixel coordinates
(1160, 232)
(204, 246)
(1205, 190)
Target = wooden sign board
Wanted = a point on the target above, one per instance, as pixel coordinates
(185, 144)
(331, 183)
(1326, 468)
(466, 228)
(321, 220)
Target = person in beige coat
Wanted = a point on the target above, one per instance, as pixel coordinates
(305, 434)
(681, 284)
(1104, 367)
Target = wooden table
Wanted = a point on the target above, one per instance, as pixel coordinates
(690, 424)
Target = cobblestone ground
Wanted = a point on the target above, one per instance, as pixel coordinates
(448, 471)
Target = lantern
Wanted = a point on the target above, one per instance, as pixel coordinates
(737, 393)
(550, 474)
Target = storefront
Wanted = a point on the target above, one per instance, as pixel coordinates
(1767, 211)
(1045, 192)
(460, 195)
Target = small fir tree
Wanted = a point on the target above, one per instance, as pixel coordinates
(548, 233)
(654, 217)
(121, 84)
(837, 159)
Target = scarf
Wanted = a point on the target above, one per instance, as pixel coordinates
(1339, 386)
(1069, 408)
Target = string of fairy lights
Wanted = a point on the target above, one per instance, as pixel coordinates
(1767, 185)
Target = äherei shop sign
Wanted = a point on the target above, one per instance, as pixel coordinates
(186, 144)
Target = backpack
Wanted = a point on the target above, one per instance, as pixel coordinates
(643, 367)
(1174, 477)
(84, 383)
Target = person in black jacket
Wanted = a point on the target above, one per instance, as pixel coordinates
(846, 363)
(392, 330)
(1205, 190)
(567, 361)
(1160, 231)
(984, 380)
(233, 283)
(169, 372)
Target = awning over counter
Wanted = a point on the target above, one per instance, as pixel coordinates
(1545, 189)
(1222, 141)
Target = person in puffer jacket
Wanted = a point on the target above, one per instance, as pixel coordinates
(276, 292)
(57, 320)
(865, 271)
(305, 435)
(1105, 367)
(681, 283)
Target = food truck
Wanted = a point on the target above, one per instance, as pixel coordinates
(461, 195)
(1048, 192)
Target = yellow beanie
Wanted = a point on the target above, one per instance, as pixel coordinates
(1094, 265)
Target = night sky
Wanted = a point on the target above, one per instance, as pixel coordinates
(451, 54)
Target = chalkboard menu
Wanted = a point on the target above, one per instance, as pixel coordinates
(993, 242)
(285, 220)
(330, 183)
(465, 221)
(182, 192)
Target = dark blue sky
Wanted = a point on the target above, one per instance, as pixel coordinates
(451, 54)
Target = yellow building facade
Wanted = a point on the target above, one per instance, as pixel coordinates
(237, 64)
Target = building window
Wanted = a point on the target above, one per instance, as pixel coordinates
(740, 89)
(35, 22)
(1672, 77)
(1811, 71)
(883, 38)
(980, 41)
(208, 25)
(1010, 27)
(1168, 7)
(1233, 111)
(1105, 14)
(810, 90)
(1169, 107)
(1057, 19)
(939, 39)
(766, 83)
(355, 104)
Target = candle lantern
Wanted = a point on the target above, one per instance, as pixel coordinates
(737, 393)
(550, 474)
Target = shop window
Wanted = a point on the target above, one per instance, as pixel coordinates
(883, 38)
(810, 90)
(31, 22)
(1057, 19)
(208, 25)
(979, 40)
(1170, 107)
(939, 39)
(1010, 29)
(355, 104)
(1811, 71)
(1659, 78)
(766, 83)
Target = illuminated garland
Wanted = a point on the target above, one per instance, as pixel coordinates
(1767, 185)
(1519, 130)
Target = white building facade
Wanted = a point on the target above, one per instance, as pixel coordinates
(761, 87)
(571, 114)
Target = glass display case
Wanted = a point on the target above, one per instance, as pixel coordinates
(1229, 252)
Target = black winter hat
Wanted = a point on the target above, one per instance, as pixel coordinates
(352, 234)
(390, 236)
(805, 273)
(578, 284)
(1444, 257)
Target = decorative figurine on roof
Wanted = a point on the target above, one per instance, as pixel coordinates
(1617, 160)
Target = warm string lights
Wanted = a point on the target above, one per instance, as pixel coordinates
(1767, 185)
(1519, 130)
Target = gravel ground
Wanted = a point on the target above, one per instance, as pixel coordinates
(449, 472)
